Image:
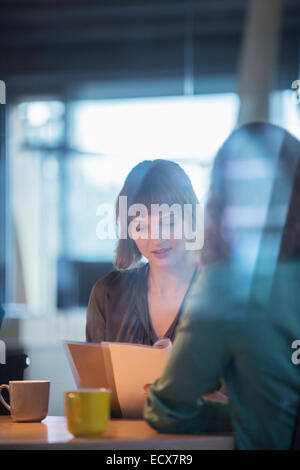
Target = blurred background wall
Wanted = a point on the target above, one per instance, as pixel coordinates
(92, 88)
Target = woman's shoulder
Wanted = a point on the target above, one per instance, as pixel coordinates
(120, 278)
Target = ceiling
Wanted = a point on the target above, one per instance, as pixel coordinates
(54, 45)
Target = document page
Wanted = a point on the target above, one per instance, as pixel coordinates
(135, 366)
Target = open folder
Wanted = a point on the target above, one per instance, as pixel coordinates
(124, 368)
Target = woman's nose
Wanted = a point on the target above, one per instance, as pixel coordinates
(157, 233)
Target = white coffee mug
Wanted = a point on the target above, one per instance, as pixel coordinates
(29, 399)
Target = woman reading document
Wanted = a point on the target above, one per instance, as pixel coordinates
(141, 303)
(161, 220)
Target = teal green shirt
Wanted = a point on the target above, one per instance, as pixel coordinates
(229, 330)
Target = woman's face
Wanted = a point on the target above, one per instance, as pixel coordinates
(157, 240)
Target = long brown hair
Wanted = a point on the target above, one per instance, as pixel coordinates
(151, 182)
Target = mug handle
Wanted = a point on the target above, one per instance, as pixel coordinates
(1, 397)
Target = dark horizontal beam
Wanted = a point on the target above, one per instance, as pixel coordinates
(56, 10)
(50, 31)
(97, 33)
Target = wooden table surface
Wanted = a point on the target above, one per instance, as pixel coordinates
(52, 433)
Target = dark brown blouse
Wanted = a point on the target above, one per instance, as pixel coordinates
(118, 308)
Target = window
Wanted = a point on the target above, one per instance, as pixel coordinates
(67, 158)
(121, 133)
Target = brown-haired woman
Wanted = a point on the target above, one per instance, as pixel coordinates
(140, 303)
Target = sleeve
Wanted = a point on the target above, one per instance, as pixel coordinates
(95, 319)
(198, 360)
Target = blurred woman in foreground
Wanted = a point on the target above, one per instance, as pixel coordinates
(242, 320)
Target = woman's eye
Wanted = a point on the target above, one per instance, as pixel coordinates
(140, 227)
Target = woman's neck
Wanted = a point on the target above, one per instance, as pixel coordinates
(163, 281)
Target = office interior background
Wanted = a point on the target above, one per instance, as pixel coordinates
(92, 88)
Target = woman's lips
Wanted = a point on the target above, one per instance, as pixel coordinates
(162, 253)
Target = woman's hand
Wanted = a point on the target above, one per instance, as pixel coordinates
(146, 387)
(217, 396)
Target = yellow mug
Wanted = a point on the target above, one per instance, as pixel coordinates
(87, 411)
